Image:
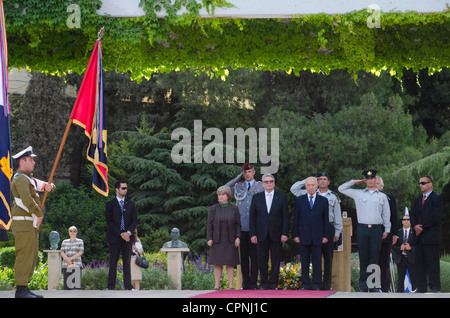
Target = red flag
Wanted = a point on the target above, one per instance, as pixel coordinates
(88, 113)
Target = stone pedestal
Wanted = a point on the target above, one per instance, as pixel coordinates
(175, 264)
(341, 271)
(54, 268)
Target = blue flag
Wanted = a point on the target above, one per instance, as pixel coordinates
(407, 283)
(5, 139)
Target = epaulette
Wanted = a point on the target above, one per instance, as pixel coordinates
(337, 196)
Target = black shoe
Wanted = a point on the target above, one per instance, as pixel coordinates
(24, 292)
(37, 296)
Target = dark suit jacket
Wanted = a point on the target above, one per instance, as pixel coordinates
(233, 223)
(275, 223)
(310, 225)
(113, 216)
(393, 219)
(400, 241)
(430, 217)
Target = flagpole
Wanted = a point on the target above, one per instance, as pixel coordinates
(58, 156)
(66, 133)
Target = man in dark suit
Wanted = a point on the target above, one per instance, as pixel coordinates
(121, 221)
(269, 218)
(426, 220)
(405, 256)
(386, 243)
(310, 230)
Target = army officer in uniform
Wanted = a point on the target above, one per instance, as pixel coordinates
(243, 192)
(372, 212)
(26, 218)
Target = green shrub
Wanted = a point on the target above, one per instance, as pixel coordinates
(445, 277)
(6, 278)
(39, 280)
(95, 278)
(82, 207)
(7, 257)
(156, 278)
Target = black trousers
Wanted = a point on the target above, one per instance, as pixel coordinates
(264, 247)
(401, 273)
(311, 254)
(115, 250)
(385, 264)
(427, 265)
(369, 245)
(249, 262)
(327, 253)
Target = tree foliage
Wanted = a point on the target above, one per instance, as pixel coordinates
(39, 38)
(167, 195)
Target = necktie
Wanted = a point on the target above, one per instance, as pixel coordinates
(248, 188)
(269, 201)
(311, 203)
(405, 239)
(423, 200)
(122, 221)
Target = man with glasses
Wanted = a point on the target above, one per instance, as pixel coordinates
(426, 220)
(269, 220)
(121, 221)
(405, 256)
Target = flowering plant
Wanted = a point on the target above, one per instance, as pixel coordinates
(290, 276)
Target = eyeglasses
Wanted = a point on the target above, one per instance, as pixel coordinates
(424, 182)
(124, 188)
(405, 219)
(268, 181)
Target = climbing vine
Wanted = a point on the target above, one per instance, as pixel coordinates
(39, 38)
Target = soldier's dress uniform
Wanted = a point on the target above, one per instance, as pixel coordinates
(25, 212)
(244, 194)
(373, 212)
(335, 225)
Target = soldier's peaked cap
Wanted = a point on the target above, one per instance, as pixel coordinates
(28, 152)
(369, 173)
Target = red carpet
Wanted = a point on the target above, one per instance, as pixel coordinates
(267, 294)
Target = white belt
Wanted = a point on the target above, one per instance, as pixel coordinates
(22, 218)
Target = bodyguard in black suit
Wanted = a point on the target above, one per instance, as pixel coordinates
(310, 230)
(426, 220)
(269, 218)
(404, 255)
(121, 223)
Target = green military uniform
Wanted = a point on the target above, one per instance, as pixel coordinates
(25, 213)
(26, 235)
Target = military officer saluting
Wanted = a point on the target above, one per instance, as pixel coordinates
(243, 192)
(334, 218)
(26, 218)
(373, 212)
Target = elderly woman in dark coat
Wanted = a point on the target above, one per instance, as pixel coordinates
(224, 231)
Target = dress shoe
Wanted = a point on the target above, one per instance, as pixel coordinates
(24, 292)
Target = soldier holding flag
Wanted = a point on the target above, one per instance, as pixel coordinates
(26, 218)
